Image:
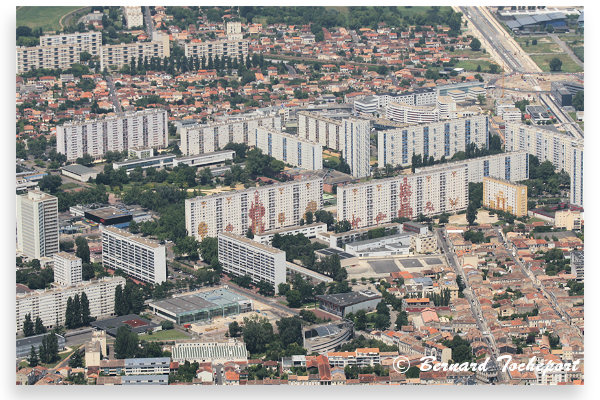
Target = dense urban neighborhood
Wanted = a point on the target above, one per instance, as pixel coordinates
(299, 195)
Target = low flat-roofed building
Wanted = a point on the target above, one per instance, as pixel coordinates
(135, 322)
(202, 306)
(109, 216)
(215, 352)
(344, 303)
(340, 239)
(310, 231)
(398, 244)
(145, 379)
(79, 172)
(307, 273)
(24, 344)
(568, 219)
(162, 160)
(346, 259)
(206, 159)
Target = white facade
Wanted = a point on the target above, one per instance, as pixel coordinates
(562, 150)
(437, 139)
(141, 258)
(357, 146)
(260, 208)
(217, 48)
(208, 138)
(115, 56)
(241, 256)
(37, 224)
(67, 269)
(372, 104)
(410, 114)
(58, 51)
(310, 231)
(51, 304)
(446, 107)
(147, 128)
(133, 16)
(289, 148)
(205, 159)
(380, 200)
(320, 129)
(512, 166)
(233, 30)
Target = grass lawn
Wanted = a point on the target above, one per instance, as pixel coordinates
(568, 65)
(471, 65)
(69, 185)
(544, 45)
(470, 54)
(573, 115)
(578, 50)
(171, 334)
(45, 17)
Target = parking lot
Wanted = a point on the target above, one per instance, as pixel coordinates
(382, 267)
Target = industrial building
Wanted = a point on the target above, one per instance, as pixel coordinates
(109, 216)
(201, 307)
(564, 91)
(79, 172)
(343, 303)
(136, 323)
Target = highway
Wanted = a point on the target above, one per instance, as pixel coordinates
(497, 38)
(571, 126)
(452, 260)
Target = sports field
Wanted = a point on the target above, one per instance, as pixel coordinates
(45, 17)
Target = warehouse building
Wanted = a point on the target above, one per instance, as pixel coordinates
(213, 352)
(109, 216)
(78, 172)
(201, 307)
(343, 303)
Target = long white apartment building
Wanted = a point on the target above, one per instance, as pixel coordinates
(67, 269)
(58, 51)
(37, 224)
(133, 16)
(260, 208)
(289, 148)
(437, 139)
(357, 146)
(115, 56)
(208, 138)
(216, 48)
(241, 256)
(512, 166)
(410, 114)
(378, 201)
(321, 129)
(147, 128)
(418, 97)
(141, 258)
(561, 149)
(51, 304)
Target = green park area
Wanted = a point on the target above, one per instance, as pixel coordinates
(568, 65)
(47, 18)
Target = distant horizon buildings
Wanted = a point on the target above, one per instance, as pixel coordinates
(37, 224)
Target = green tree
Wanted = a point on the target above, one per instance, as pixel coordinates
(294, 298)
(126, 343)
(555, 64)
(401, 320)
(249, 234)
(257, 333)
(475, 44)
(578, 102)
(33, 357)
(471, 214)
(290, 330)
(39, 326)
(413, 372)
(28, 327)
(50, 183)
(234, 329)
(309, 217)
(83, 250)
(76, 360)
(360, 320)
(84, 305)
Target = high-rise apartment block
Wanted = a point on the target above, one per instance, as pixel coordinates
(233, 30)
(437, 139)
(418, 97)
(51, 304)
(561, 149)
(241, 256)
(357, 146)
(58, 51)
(208, 138)
(147, 128)
(512, 166)
(216, 48)
(503, 195)
(260, 208)
(289, 148)
(116, 56)
(444, 189)
(67, 269)
(141, 258)
(133, 16)
(318, 128)
(37, 224)
(577, 264)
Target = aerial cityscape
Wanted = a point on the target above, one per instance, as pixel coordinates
(337, 195)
